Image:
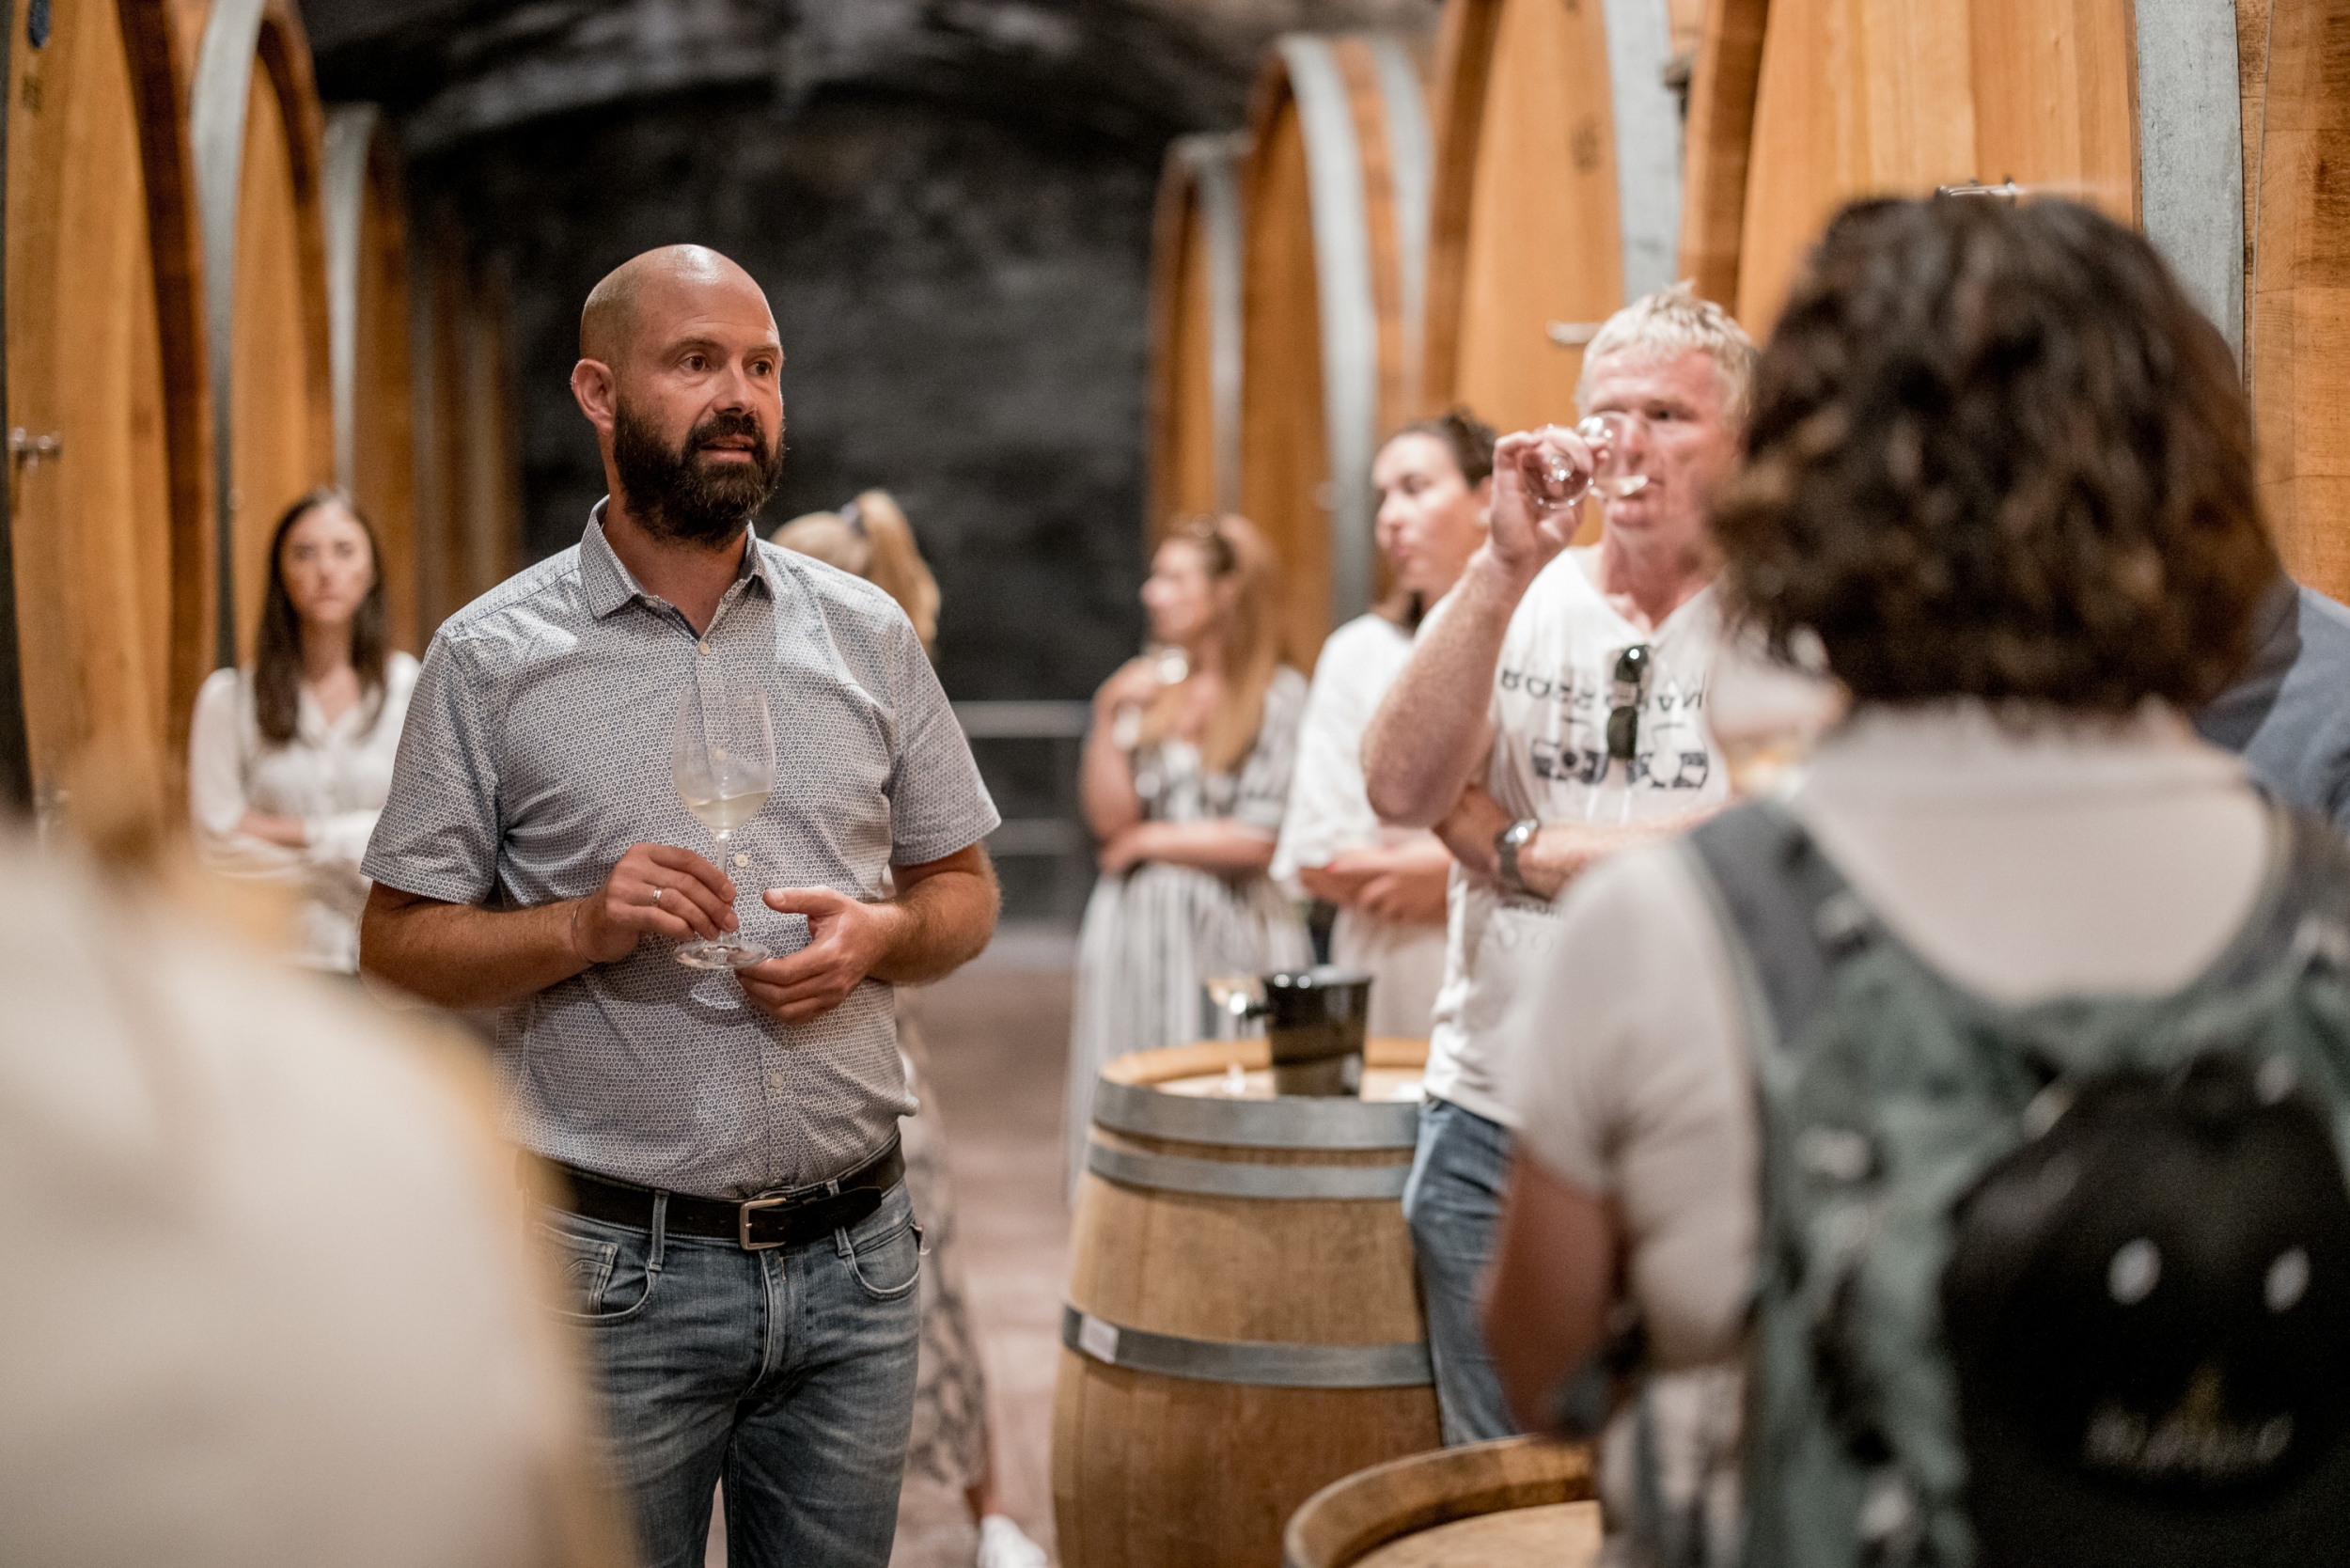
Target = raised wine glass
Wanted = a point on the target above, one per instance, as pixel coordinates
(724, 765)
(1615, 479)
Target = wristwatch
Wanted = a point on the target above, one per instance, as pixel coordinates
(1506, 846)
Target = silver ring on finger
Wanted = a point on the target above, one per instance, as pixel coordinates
(656, 895)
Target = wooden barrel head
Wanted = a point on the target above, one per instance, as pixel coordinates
(1196, 332)
(104, 380)
(1801, 105)
(1556, 194)
(367, 263)
(281, 416)
(2300, 330)
(1516, 1500)
(1564, 1535)
(1336, 198)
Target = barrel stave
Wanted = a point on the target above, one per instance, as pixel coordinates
(103, 335)
(1161, 1472)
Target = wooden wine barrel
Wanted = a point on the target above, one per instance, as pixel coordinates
(108, 538)
(1485, 1505)
(1334, 280)
(1800, 105)
(2300, 330)
(1195, 331)
(1241, 1326)
(469, 506)
(368, 318)
(256, 127)
(1558, 194)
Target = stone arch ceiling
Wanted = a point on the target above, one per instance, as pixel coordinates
(1137, 70)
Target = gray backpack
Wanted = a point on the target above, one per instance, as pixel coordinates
(2063, 1283)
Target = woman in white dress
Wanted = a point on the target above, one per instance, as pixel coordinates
(289, 759)
(1184, 784)
(1434, 479)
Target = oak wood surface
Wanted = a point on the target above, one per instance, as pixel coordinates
(384, 455)
(281, 420)
(1151, 1470)
(1524, 229)
(1285, 454)
(2302, 292)
(1513, 1500)
(1184, 418)
(104, 334)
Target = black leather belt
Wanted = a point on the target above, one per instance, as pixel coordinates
(755, 1224)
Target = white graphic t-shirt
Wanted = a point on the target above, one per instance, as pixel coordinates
(1551, 690)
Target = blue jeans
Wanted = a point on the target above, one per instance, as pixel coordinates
(1451, 1202)
(789, 1373)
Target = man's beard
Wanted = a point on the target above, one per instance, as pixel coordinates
(674, 494)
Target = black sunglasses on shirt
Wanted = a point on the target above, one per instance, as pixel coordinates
(1623, 702)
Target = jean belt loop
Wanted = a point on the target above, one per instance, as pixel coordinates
(660, 1233)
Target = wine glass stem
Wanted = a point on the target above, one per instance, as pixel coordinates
(725, 938)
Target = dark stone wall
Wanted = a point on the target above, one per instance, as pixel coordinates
(962, 301)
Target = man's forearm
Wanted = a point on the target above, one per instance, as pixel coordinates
(1429, 734)
(459, 957)
(1560, 854)
(940, 923)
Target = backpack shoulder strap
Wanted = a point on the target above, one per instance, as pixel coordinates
(1787, 914)
(2304, 914)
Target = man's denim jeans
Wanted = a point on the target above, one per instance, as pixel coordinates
(789, 1373)
(1451, 1202)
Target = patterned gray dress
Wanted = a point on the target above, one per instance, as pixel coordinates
(1154, 931)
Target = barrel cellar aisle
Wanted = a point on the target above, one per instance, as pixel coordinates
(1061, 277)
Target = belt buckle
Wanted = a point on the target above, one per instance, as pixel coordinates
(743, 1222)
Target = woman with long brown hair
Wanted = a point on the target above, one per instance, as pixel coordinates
(1185, 782)
(288, 759)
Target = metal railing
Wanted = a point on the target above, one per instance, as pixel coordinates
(1056, 835)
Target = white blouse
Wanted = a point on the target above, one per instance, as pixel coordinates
(1329, 813)
(332, 776)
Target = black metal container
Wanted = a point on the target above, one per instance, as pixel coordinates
(1314, 1022)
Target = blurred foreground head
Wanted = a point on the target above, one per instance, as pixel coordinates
(279, 1305)
(1996, 453)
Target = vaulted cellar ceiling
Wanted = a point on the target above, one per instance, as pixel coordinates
(1138, 69)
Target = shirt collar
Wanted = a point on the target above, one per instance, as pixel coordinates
(610, 585)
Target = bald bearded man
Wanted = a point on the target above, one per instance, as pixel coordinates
(734, 1223)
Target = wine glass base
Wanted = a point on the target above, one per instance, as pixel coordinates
(734, 954)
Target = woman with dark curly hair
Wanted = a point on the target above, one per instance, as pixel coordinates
(2000, 470)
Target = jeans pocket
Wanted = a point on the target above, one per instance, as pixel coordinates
(596, 1270)
(583, 1267)
(888, 1265)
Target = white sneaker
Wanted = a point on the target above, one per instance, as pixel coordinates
(1005, 1544)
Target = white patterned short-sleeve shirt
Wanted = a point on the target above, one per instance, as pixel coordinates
(536, 751)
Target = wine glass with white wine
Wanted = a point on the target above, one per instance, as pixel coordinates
(723, 764)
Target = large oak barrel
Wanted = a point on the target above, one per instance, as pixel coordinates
(108, 517)
(2300, 330)
(1558, 194)
(1196, 330)
(1514, 1501)
(1241, 1326)
(256, 127)
(1800, 105)
(469, 506)
(368, 330)
(1337, 189)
